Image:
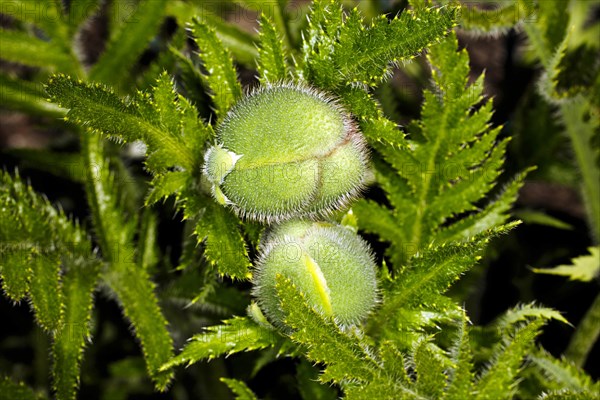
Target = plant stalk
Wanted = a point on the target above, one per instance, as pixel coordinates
(585, 335)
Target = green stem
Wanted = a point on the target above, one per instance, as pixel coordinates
(579, 132)
(585, 335)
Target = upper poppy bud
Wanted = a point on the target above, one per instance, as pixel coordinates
(286, 151)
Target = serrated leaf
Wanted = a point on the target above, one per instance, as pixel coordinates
(527, 312)
(498, 380)
(348, 359)
(436, 185)
(238, 41)
(70, 339)
(429, 367)
(561, 373)
(45, 291)
(221, 76)
(234, 336)
(271, 54)
(40, 231)
(583, 268)
(15, 270)
(461, 374)
(503, 17)
(428, 275)
(345, 355)
(363, 53)
(219, 228)
(239, 389)
(98, 108)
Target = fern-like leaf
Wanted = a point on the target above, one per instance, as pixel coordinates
(240, 389)
(97, 108)
(219, 228)
(129, 282)
(272, 59)
(435, 181)
(342, 49)
(583, 268)
(221, 76)
(234, 336)
(498, 380)
(37, 239)
(420, 285)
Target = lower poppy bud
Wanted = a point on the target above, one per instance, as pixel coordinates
(331, 265)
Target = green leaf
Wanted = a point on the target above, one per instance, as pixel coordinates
(460, 377)
(239, 42)
(348, 358)
(128, 42)
(42, 238)
(440, 176)
(30, 97)
(340, 50)
(225, 246)
(583, 268)
(234, 336)
(21, 48)
(129, 282)
(345, 355)
(148, 250)
(527, 312)
(582, 124)
(272, 59)
(45, 289)
(562, 374)
(16, 271)
(432, 272)
(17, 391)
(503, 17)
(167, 184)
(495, 213)
(45, 14)
(531, 216)
(498, 380)
(429, 368)
(240, 389)
(221, 76)
(80, 11)
(70, 339)
(363, 53)
(99, 109)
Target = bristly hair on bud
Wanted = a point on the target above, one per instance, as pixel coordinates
(284, 151)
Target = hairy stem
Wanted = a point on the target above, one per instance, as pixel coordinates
(584, 156)
(585, 335)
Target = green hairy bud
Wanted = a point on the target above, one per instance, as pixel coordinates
(286, 151)
(329, 263)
